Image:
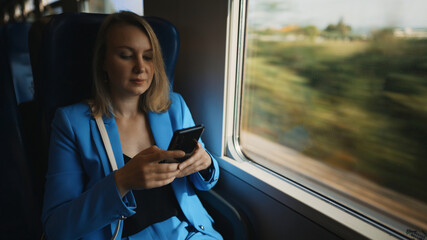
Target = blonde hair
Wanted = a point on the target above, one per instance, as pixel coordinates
(156, 98)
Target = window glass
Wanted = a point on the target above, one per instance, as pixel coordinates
(51, 7)
(111, 6)
(335, 96)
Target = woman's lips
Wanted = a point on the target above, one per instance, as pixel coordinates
(138, 80)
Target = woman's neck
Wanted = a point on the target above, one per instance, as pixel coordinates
(126, 108)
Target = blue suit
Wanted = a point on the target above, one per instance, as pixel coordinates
(81, 198)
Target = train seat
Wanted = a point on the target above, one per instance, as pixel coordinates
(20, 206)
(63, 67)
(66, 58)
(17, 42)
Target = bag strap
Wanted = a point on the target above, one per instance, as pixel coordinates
(111, 158)
(107, 143)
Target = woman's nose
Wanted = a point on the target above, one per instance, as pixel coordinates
(139, 65)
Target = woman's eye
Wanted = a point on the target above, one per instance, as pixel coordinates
(125, 56)
(148, 58)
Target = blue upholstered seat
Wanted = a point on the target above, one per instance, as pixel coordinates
(63, 67)
(66, 58)
(19, 205)
(17, 41)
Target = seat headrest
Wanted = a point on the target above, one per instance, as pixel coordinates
(16, 35)
(66, 57)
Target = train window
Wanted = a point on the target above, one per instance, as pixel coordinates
(110, 6)
(334, 97)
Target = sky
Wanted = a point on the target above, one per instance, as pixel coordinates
(359, 14)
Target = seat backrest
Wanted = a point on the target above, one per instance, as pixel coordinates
(61, 49)
(66, 58)
(19, 57)
(19, 201)
(62, 68)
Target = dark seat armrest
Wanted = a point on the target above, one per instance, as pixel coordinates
(229, 221)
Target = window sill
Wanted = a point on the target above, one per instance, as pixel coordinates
(318, 210)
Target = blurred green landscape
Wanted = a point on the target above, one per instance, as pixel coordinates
(358, 103)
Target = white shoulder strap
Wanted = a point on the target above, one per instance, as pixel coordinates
(106, 141)
(111, 158)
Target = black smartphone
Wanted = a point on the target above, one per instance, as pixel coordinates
(186, 140)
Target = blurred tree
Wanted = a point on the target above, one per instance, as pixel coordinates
(311, 32)
(340, 29)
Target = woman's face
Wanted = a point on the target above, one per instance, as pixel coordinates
(128, 61)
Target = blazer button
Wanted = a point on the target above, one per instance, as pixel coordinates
(202, 227)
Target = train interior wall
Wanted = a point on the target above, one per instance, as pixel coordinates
(200, 78)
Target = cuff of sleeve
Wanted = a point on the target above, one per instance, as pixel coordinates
(126, 204)
(207, 174)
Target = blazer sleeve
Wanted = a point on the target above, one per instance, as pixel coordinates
(199, 182)
(69, 209)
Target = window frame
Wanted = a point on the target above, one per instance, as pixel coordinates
(333, 215)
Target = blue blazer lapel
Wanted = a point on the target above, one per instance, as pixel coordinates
(113, 134)
(161, 127)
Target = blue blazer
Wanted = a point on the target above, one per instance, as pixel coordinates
(81, 198)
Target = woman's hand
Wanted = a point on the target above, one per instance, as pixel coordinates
(144, 171)
(200, 160)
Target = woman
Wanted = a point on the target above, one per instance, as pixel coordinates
(84, 198)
